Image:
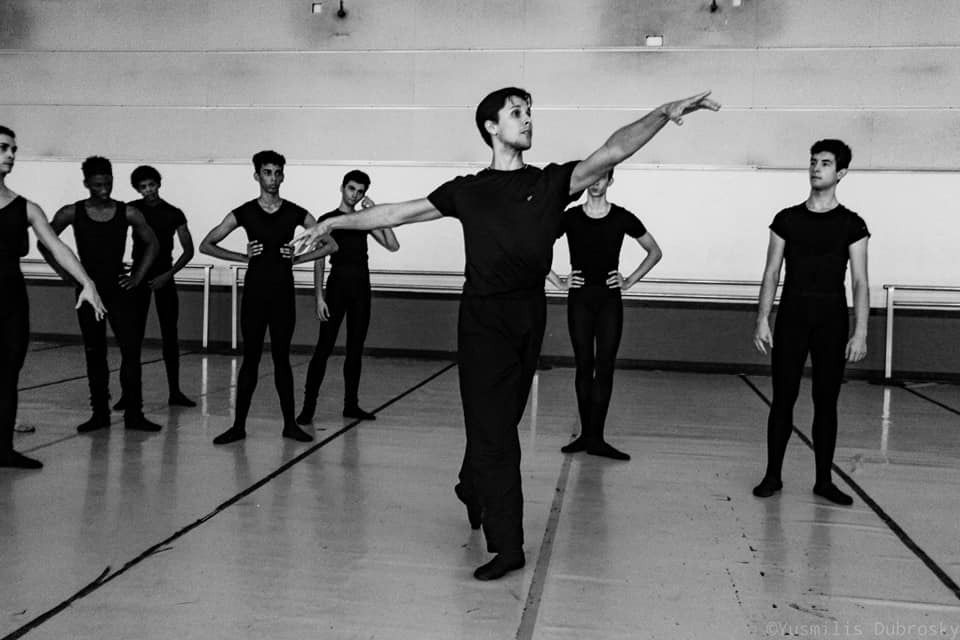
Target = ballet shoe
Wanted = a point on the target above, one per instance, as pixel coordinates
(501, 565)
(140, 423)
(95, 423)
(829, 491)
(13, 460)
(580, 444)
(178, 399)
(233, 434)
(767, 488)
(306, 415)
(605, 450)
(120, 404)
(293, 432)
(357, 412)
(474, 514)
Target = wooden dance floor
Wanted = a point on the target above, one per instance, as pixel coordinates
(359, 535)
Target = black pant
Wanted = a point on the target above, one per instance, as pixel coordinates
(167, 313)
(266, 305)
(817, 325)
(122, 316)
(14, 338)
(595, 321)
(348, 294)
(498, 346)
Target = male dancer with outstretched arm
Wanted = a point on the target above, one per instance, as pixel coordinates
(511, 214)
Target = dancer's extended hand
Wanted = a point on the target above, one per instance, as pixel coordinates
(89, 295)
(762, 338)
(856, 348)
(678, 108)
(310, 238)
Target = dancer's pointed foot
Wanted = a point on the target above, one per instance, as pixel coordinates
(767, 488)
(501, 565)
(233, 434)
(293, 432)
(178, 399)
(605, 450)
(580, 444)
(474, 514)
(829, 491)
(357, 412)
(13, 460)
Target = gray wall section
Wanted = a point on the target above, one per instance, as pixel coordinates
(699, 337)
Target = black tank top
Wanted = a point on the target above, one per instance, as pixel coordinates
(14, 244)
(101, 245)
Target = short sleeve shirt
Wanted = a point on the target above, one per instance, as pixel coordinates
(510, 220)
(817, 248)
(274, 230)
(595, 243)
(164, 219)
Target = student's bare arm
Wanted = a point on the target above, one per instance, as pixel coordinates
(857, 345)
(385, 237)
(210, 245)
(151, 248)
(627, 140)
(62, 219)
(326, 244)
(376, 217)
(762, 337)
(654, 255)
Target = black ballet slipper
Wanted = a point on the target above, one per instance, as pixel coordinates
(140, 423)
(829, 491)
(357, 412)
(178, 399)
(120, 404)
(306, 415)
(95, 423)
(501, 565)
(293, 432)
(233, 434)
(767, 488)
(13, 460)
(605, 450)
(578, 445)
(474, 513)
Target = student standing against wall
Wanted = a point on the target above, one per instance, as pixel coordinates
(595, 232)
(347, 295)
(100, 228)
(268, 290)
(16, 215)
(510, 214)
(816, 238)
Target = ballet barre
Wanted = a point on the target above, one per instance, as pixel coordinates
(943, 298)
(193, 273)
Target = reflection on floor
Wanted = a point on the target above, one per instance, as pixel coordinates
(359, 535)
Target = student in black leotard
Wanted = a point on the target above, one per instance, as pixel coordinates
(268, 293)
(348, 294)
(595, 232)
(16, 214)
(100, 231)
(511, 214)
(166, 221)
(816, 238)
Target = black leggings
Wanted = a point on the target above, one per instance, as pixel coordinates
(346, 296)
(167, 313)
(14, 338)
(122, 316)
(818, 326)
(595, 320)
(499, 343)
(266, 304)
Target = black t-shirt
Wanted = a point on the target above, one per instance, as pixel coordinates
(595, 242)
(164, 219)
(510, 220)
(817, 248)
(273, 230)
(351, 246)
